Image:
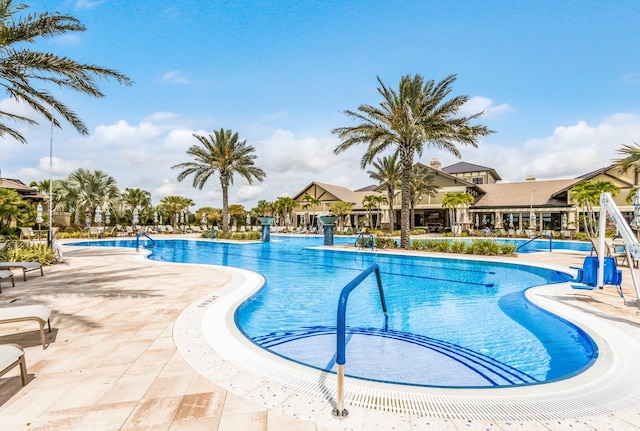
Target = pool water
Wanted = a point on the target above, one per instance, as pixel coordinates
(452, 322)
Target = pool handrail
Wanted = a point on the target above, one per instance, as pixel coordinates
(542, 235)
(366, 243)
(341, 329)
(153, 243)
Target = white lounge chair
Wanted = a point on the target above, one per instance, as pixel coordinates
(25, 266)
(4, 274)
(22, 313)
(12, 355)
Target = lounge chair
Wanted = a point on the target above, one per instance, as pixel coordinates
(39, 313)
(27, 233)
(25, 266)
(12, 355)
(4, 274)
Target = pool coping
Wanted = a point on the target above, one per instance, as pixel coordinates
(226, 357)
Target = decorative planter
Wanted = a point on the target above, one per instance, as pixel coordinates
(265, 220)
(328, 220)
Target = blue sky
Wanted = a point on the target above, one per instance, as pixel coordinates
(559, 82)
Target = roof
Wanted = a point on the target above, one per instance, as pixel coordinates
(464, 167)
(25, 191)
(524, 194)
(333, 193)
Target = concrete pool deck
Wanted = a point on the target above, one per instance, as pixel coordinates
(112, 363)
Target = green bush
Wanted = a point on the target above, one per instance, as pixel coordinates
(459, 247)
(21, 251)
(507, 248)
(385, 243)
(418, 231)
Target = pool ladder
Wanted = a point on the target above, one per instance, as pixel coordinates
(363, 242)
(341, 330)
(153, 243)
(543, 235)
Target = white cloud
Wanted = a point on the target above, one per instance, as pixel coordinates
(175, 77)
(478, 104)
(569, 152)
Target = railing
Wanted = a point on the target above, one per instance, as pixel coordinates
(543, 235)
(341, 330)
(153, 243)
(369, 242)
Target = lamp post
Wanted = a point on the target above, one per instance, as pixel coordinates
(49, 236)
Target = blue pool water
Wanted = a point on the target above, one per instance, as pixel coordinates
(452, 322)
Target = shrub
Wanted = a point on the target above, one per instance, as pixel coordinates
(20, 251)
(385, 243)
(418, 231)
(507, 248)
(459, 247)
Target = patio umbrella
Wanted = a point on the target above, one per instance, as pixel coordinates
(39, 218)
(97, 217)
(204, 219)
(532, 221)
(135, 216)
(564, 221)
(248, 220)
(477, 221)
(155, 218)
(107, 217)
(510, 221)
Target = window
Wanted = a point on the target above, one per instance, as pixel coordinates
(477, 180)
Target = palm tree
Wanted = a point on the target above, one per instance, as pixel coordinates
(423, 183)
(263, 208)
(388, 174)
(11, 207)
(406, 121)
(307, 202)
(631, 159)
(370, 202)
(341, 209)
(24, 71)
(454, 202)
(85, 190)
(285, 205)
(137, 198)
(586, 194)
(174, 205)
(236, 213)
(221, 152)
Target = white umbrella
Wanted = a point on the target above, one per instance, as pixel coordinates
(97, 217)
(477, 221)
(510, 221)
(155, 218)
(135, 216)
(248, 219)
(107, 217)
(204, 219)
(532, 222)
(39, 218)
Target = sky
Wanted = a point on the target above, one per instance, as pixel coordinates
(559, 82)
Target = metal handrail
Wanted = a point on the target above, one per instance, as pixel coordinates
(542, 235)
(341, 330)
(153, 243)
(366, 243)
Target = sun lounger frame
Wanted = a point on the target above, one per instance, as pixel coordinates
(24, 313)
(25, 266)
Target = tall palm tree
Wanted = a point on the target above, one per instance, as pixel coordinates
(84, 190)
(389, 175)
(454, 202)
(263, 208)
(24, 71)
(285, 205)
(405, 122)
(220, 152)
(423, 183)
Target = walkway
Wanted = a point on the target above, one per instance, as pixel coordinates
(112, 364)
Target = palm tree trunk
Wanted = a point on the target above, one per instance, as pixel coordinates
(405, 238)
(225, 208)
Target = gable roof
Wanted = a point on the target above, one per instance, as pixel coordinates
(332, 193)
(525, 194)
(464, 167)
(25, 191)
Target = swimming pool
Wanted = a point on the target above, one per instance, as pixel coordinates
(452, 322)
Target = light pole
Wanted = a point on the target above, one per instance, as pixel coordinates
(49, 236)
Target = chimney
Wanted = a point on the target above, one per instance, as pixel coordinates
(530, 178)
(435, 164)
